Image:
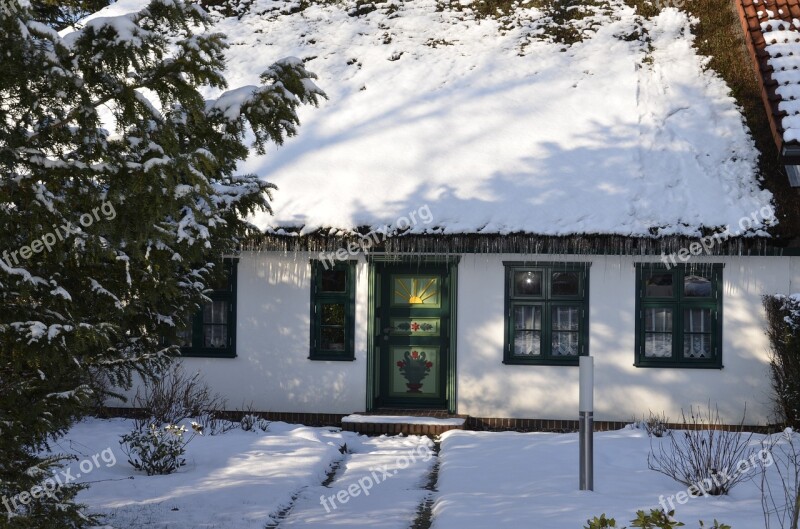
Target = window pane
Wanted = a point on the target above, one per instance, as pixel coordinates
(528, 283)
(565, 318)
(184, 337)
(658, 285)
(333, 314)
(332, 298)
(657, 345)
(696, 286)
(215, 312)
(333, 338)
(697, 346)
(658, 320)
(419, 291)
(697, 338)
(565, 343)
(334, 281)
(215, 336)
(527, 343)
(697, 320)
(528, 317)
(209, 331)
(219, 280)
(565, 284)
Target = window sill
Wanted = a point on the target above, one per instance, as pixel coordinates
(207, 353)
(332, 358)
(541, 361)
(678, 365)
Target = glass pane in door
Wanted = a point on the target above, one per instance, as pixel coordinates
(418, 291)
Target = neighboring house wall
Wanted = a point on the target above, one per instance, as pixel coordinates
(272, 370)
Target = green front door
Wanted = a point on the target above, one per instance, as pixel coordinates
(412, 341)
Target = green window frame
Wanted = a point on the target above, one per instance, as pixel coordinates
(333, 309)
(213, 330)
(679, 316)
(546, 313)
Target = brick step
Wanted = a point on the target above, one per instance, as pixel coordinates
(416, 424)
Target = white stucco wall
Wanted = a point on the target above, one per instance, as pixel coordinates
(488, 388)
(272, 371)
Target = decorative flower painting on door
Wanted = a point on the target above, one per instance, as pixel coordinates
(415, 326)
(417, 370)
(416, 291)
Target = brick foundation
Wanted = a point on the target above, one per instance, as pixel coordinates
(490, 424)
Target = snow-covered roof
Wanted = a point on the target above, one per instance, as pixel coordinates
(494, 125)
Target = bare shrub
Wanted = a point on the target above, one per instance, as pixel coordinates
(780, 484)
(215, 423)
(176, 396)
(655, 425)
(251, 420)
(705, 455)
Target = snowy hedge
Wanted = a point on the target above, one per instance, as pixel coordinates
(783, 330)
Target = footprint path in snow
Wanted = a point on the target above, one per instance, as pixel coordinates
(383, 482)
(424, 519)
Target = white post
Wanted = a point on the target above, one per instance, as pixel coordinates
(586, 421)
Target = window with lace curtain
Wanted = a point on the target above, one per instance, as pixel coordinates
(679, 315)
(546, 312)
(212, 332)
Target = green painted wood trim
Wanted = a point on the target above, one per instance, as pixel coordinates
(410, 260)
(452, 375)
(555, 265)
(229, 294)
(348, 298)
(371, 375)
(546, 301)
(677, 303)
(373, 368)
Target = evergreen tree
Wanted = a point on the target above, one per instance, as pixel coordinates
(118, 198)
(60, 15)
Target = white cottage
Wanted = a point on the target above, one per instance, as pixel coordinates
(482, 200)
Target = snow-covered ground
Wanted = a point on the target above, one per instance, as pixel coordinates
(297, 476)
(384, 482)
(237, 479)
(511, 480)
(244, 480)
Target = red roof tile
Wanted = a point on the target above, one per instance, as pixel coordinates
(772, 34)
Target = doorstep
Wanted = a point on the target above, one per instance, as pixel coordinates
(393, 424)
